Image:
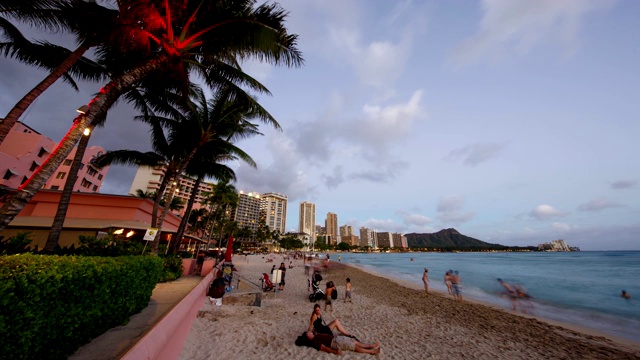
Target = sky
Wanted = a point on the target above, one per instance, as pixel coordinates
(513, 121)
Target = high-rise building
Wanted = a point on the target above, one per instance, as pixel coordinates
(274, 207)
(148, 179)
(399, 240)
(385, 239)
(24, 150)
(368, 237)
(247, 212)
(331, 224)
(346, 230)
(307, 220)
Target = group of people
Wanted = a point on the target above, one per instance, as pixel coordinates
(516, 293)
(451, 280)
(321, 337)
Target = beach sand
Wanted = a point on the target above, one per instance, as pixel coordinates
(408, 323)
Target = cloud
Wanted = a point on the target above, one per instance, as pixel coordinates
(475, 154)
(560, 226)
(450, 209)
(543, 212)
(623, 184)
(336, 178)
(517, 26)
(383, 225)
(597, 205)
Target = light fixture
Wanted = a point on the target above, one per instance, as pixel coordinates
(86, 132)
(118, 232)
(83, 109)
(130, 233)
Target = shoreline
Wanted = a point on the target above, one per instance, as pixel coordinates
(408, 323)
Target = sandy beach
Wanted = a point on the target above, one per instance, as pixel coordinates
(408, 323)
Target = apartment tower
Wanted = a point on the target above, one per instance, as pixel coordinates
(248, 210)
(274, 207)
(307, 220)
(331, 226)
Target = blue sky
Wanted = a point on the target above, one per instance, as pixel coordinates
(515, 122)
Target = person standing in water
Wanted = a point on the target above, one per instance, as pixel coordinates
(447, 281)
(425, 279)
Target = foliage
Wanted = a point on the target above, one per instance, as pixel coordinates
(172, 268)
(110, 245)
(51, 305)
(344, 246)
(16, 244)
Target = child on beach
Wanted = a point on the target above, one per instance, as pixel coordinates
(425, 280)
(347, 291)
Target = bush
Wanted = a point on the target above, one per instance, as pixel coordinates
(52, 305)
(172, 268)
(16, 244)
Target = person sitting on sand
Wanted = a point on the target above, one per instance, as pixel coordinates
(335, 344)
(625, 295)
(316, 323)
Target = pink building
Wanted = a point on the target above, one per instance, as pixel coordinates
(24, 150)
(90, 214)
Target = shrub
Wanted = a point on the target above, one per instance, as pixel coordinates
(51, 305)
(172, 268)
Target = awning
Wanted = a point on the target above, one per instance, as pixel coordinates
(14, 172)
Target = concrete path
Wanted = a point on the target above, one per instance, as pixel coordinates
(114, 343)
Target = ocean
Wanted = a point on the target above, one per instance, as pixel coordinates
(580, 288)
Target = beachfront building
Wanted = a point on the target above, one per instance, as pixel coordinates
(307, 219)
(352, 240)
(274, 208)
(385, 239)
(346, 230)
(555, 245)
(331, 226)
(400, 240)
(148, 179)
(368, 237)
(90, 214)
(247, 213)
(24, 150)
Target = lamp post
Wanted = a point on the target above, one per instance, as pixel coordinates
(72, 177)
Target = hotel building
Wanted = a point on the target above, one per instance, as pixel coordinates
(24, 150)
(307, 220)
(247, 212)
(331, 226)
(274, 207)
(368, 237)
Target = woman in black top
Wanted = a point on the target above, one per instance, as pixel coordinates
(316, 323)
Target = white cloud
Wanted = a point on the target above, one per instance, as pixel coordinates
(561, 226)
(450, 204)
(516, 26)
(450, 209)
(543, 212)
(475, 154)
(597, 205)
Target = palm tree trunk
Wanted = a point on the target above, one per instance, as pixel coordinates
(22, 105)
(65, 197)
(98, 108)
(185, 218)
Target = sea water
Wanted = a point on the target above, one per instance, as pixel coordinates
(580, 288)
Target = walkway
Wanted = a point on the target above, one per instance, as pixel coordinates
(114, 343)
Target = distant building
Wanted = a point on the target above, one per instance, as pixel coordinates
(24, 150)
(346, 230)
(350, 239)
(556, 245)
(307, 220)
(148, 179)
(385, 239)
(274, 207)
(247, 213)
(368, 237)
(400, 240)
(331, 224)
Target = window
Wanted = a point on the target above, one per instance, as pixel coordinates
(61, 175)
(99, 176)
(7, 175)
(67, 162)
(95, 188)
(34, 165)
(42, 152)
(91, 171)
(55, 187)
(24, 180)
(81, 166)
(86, 183)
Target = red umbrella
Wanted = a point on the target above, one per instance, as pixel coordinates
(227, 255)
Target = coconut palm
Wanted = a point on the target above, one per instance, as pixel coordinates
(170, 42)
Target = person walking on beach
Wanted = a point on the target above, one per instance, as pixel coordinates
(511, 292)
(456, 282)
(335, 344)
(447, 281)
(347, 291)
(425, 279)
(328, 297)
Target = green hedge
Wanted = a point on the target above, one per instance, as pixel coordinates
(52, 305)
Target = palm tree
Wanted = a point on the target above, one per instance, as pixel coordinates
(225, 199)
(175, 44)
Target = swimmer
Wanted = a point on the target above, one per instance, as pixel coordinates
(625, 295)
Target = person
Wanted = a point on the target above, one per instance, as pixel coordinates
(339, 258)
(511, 292)
(334, 344)
(327, 300)
(425, 279)
(199, 262)
(447, 281)
(316, 323)
(273, 268)
(284, 271)
(307, 264)
(625, 295)
(217, 289)
(347, 291)
(290, 264)
(456, 283)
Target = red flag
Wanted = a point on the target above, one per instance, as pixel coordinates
(227, 255)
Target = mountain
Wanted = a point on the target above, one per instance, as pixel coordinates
(447, 238)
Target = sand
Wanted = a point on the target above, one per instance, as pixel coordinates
(408, 323)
